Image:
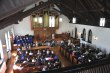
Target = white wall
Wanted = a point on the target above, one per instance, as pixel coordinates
(103, 34)
(24, 27)
(64, 26)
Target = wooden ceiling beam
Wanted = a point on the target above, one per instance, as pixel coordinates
(86, 9)
(20, 15)
(103, 4)
(73, 11)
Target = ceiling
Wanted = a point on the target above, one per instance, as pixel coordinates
(87, 12)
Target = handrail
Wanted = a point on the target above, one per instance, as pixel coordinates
(79, 67)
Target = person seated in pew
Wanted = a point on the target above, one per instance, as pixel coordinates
(52, 53)
(77, 54)
(62, 43)
(43, 52)
(26, 52)
(73, 46)
(73, 53)
(27, 59)
(69, 41)
(38, 61)
(33, 59)
(52, 43)
(57, 64)
(49, 65)
(100, 54)
(48, 52)
(22, 57)
(36, 43)
(80, 58)
(19, 52)
(49, 58)
(55, 58)
(43, 60)
(87, 52)
(45, 68)
(30, 53)
(38, 52)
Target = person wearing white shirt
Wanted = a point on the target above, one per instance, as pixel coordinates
(69, 42)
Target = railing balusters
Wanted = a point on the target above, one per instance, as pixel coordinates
(109, 68)
(94, 70)
(106, 68)
(97, 70)
(89, 71)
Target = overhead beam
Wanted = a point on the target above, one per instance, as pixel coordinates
(15, 6)
(89, 14)
(20, 15)
(74, 11)
(103, 4)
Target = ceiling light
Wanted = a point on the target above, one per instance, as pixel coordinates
(60, 19)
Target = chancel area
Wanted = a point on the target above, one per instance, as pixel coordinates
(54, 36)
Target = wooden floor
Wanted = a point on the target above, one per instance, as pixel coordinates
(64, 61)
(10, 63)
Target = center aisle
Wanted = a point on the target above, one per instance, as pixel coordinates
(63, 60)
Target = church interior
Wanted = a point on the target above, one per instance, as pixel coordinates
(54, 36)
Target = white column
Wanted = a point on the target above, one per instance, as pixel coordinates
(1, 50)
(9, 41)
(6, 38)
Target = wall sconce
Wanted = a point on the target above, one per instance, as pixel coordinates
(79, 33)
(95, 38)
(60, 19)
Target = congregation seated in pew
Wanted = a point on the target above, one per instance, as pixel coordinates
(45, 58)
(83, 54)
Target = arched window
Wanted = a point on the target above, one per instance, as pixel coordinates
(84, 34)
(90, 36)
(76, 35)
(72, 33)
